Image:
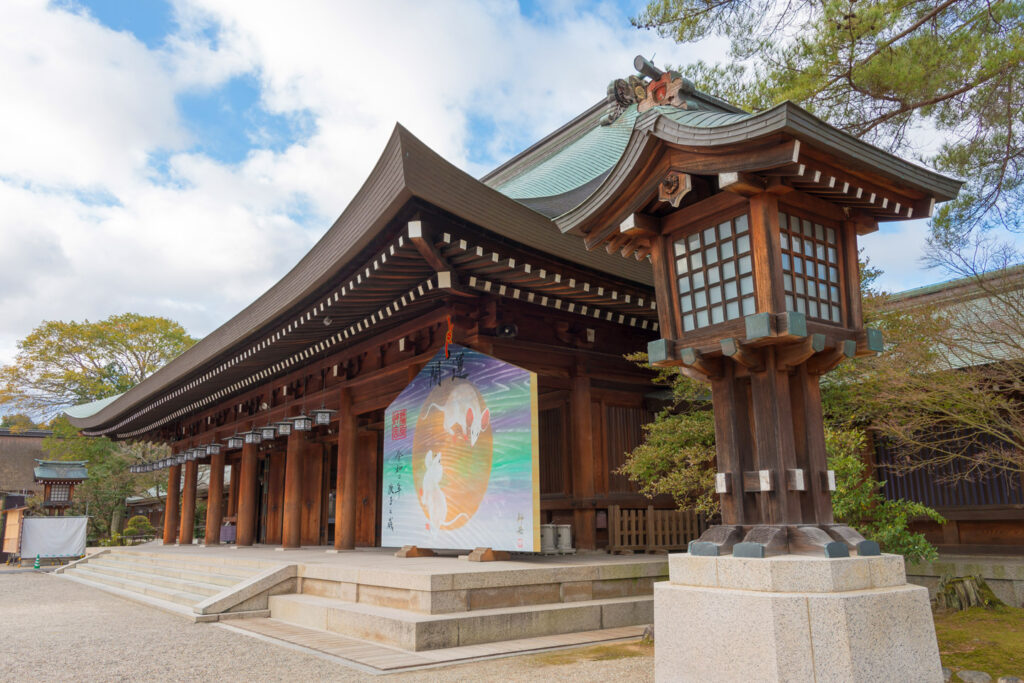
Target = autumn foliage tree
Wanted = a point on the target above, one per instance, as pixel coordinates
(65, 363)
(60, 364)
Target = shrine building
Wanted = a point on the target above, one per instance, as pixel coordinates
(548, 263)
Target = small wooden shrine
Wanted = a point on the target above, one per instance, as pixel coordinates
(59, 478)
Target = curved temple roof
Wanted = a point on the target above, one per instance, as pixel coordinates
(541, 198)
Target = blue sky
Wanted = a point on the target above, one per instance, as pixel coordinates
(177, 158)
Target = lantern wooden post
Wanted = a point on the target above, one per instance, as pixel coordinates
(345, 488)
(247, 496)
(171, 504)
(215, 499)
(291, 535)
(188, 504)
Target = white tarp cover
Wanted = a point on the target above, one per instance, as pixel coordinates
(53, 536)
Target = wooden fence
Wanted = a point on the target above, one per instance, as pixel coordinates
(650, 530)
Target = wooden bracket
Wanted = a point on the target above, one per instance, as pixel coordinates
(822, 362)
(417, 236)
(692, 358)
(489, 555)
(844, 534)
(810, 540)
(414, 551)
(745, 184)
(641, 224)
(795, 354)
(795, 480)
(763, 541)
(750, 359)
(758, 481)
(716, 540)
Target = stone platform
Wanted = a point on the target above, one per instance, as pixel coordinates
(411, 604)
(793, 617)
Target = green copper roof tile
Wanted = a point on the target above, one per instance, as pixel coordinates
(579, 162)
(91, 408)
(696, 118)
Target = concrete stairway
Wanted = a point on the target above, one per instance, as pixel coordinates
(174, 583)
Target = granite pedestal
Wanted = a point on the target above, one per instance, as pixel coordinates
(792, 618)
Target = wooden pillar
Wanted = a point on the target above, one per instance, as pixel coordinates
(171, 505)
(247, 496)
(215, 499)
(291, 534)
(345, 488)
(233, 491)
(583, 461)
(188, 504)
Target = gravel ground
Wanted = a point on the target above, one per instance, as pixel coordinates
(54, 629)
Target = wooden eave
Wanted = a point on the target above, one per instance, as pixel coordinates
(357, 276)
(784, 147)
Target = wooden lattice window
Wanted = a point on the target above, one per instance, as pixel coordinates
(715, 274)
(810, 268)
(60, 493)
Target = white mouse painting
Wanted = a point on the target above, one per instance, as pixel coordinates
(464, 416)
(433, 497)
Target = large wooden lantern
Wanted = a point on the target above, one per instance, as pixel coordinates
(761, 298)
(751, 223)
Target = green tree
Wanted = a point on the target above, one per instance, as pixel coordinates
(64, 363)
(858, 501)
(879, 70)
(110, 481)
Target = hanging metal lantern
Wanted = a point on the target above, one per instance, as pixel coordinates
(284, 427)
(303, 423)
(180, 460)
(253, 437)
(234, 441)
(212, 448)
(268, 432)
(322, 416)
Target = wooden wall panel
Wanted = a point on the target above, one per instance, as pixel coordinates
(554, 450)
(312, 490)
(624, 431)
(275, 499)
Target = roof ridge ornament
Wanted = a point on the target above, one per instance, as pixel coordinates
(652, 88)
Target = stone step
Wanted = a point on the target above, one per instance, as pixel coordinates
(417, 631)
(197, 556)
(197, 574)
(190, 563)
(82, 572)
(155, 579)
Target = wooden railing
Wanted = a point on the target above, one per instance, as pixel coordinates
(633, 530)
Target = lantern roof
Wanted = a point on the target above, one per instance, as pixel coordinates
(61, 470)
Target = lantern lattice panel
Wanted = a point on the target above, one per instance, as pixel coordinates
(810, 268)
(715, 274)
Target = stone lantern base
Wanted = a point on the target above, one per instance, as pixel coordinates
(792, 618)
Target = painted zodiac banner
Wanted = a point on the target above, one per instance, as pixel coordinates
(460, 457)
